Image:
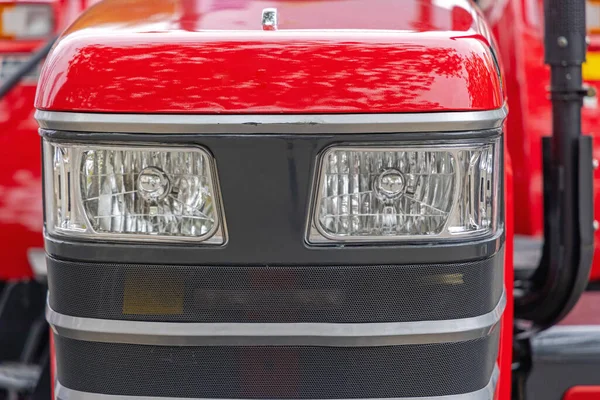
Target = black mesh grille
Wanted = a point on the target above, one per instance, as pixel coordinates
(395, 293)
(277, 372)
(566, 16)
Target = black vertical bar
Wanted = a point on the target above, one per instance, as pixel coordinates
(568, 209)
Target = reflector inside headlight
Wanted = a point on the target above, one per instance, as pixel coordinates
(27, 21)
(131, 192)
(408, 192)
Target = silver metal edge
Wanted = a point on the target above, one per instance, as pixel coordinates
(275, 334)
(486, 393)
(268, 124)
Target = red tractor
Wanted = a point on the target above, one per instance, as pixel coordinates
(317, 200)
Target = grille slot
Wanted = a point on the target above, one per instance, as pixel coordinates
(336, 294)
(286, 372)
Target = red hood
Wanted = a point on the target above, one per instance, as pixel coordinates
(328, 56)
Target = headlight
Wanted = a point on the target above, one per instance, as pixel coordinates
(114, 192)
(406, 192)
(27, 21)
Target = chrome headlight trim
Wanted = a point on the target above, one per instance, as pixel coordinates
(217, 235)
(317, 235)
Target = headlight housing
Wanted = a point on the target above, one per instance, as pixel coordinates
(27, 21)
(112, 192)
(406, 192)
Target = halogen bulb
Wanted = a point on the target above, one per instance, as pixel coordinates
(389, 184)
(153, 184)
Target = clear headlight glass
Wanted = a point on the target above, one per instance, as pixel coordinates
(27, 21)
(137, 192)
(406, 192)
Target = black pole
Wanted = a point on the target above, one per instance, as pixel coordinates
(568, 208)
(26, 67)
(565, 49)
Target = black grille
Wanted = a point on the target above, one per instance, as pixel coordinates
(10, 63)
(277, 372)
(384, 293)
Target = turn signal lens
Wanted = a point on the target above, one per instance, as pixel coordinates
(125, 193)
(400, 192)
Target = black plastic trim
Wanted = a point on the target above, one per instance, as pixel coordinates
(367, 293)
(374, 254)
(277, 372)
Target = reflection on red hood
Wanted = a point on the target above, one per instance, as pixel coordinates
(328, 56)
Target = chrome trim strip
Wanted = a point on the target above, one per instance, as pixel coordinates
(282, 124)
(486, 393)
(275, 334)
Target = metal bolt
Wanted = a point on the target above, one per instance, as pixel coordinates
(591, 91)
(596, 225)
(595, 163)
(269, 19)
(562, 41)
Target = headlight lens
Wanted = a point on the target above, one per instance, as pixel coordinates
(136, 192)
(406, 192)
(27, 21)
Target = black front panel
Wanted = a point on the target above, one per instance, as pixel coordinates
(285, 372)
(393, 293)
(267, 272)
(266, 184)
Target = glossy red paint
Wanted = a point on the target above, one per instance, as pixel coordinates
(11, 46)
(518, 29)
(590, 124)
(506, 336)
(332, 56)
(21, 216)
(583, 393)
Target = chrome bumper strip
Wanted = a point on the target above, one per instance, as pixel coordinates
(275, 334)
(487, 393)
(265, 124)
